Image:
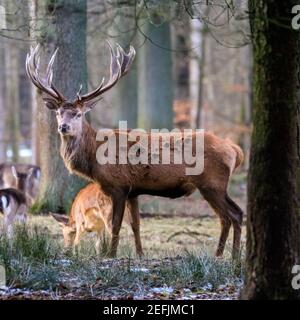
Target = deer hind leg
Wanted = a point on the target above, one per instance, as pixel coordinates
(119, 202)
(99, 241)
(229, 213)
(77, 238)
(225, 227)
(236, 216)
(135, 224)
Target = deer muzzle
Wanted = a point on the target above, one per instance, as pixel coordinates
(64, 128)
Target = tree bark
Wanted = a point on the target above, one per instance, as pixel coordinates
(155, 80)
(12, 97)
(124, 97)
(201, 79)
(58, 187)
(36, 98)
(272, 221)
(3, 143)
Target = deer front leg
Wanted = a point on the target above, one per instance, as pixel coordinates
(135, 224)
(76, 240)
(117, 217)
(9, 225)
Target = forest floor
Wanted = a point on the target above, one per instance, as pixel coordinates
(178, 261)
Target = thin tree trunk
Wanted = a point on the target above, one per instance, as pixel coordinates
(272, 221)
(201, 78)
(194, 74)
(124, 98)
(3, 143)
(12, 97)
(155, 80)
(58, 187)
(36, 99)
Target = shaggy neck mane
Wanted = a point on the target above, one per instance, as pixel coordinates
(79, 153)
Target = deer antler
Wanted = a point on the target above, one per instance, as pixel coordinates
(32, 70)
(119, 65)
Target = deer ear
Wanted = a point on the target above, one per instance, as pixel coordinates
(51, 104)
(62, 219)
(88, 106)
(37, 173)
(14, 172)
(4, 202)
(30, 172)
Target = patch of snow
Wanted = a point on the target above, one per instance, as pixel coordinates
(140, 270)
(207, 287)
(162, 290)
(63, 262)
(104, 267)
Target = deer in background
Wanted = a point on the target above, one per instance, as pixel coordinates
(23, 177)
(14, 208)
(91, 211)
(14, 201)
(125, 182)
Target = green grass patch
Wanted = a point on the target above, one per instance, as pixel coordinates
(35, 259)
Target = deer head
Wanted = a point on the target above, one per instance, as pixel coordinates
(22, 179)
(70, 114)
(69, 231)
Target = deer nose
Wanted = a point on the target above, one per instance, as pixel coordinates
(63, 128)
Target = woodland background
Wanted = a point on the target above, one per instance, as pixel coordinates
(226, 66)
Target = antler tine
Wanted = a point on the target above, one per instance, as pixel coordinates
(49, 71)
(120, 55)
(115, 69)
(79, 92)
(32, 70)
(119, 66)
(127, 59)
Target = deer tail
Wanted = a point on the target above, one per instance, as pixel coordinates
(239, 155)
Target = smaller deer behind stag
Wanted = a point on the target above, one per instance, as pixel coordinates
(91, 211)
(14, 202)
(23, 181)
(13, 207)
(23, 177)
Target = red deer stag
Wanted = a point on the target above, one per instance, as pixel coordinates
(127, 181)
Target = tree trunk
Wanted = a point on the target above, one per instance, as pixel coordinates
(58, 187)
(272, 224)
(3, 143)
(155, 81)
(36, 98)
(124, 96)
(194, 74)
(200, 99)
(12, 97)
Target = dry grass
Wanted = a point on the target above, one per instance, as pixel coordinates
(160, 236)
(178, 262)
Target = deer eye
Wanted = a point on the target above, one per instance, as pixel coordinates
(78, 115)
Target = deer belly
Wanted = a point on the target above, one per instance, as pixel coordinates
(92, 222)
(165, 191)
